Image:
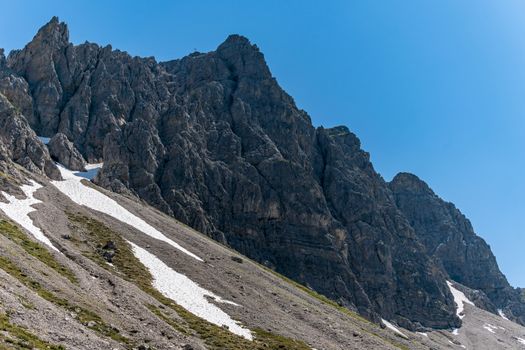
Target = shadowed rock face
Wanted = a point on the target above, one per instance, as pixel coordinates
(449, 237)
(18, 142)
(64, 152)
(214, 141)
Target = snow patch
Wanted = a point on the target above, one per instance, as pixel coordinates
(91, 171)
(460, 299)
(45, 140)
(455, 331)
(187, 293)
(490, 328)
(18, 210)
(520, 340)
(393, 328)
(423, 334)
(79, 193)
(502, 314)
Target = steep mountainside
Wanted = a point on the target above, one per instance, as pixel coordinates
(125, 276)
(84, 268)
(18, 142)
(213, 141)
(449, 237)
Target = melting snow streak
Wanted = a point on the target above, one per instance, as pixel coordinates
(490, 328)
(392, 327)
(460, 299)
(18, 210)
(502, 314)
(187, 293)
(93, 199)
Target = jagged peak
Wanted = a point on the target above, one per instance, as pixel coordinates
(409, 182)
(243, 56)
(340, 130)
(238, 40)
(343, 134)
(53, 32)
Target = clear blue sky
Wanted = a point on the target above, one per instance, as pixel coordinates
(436, 88)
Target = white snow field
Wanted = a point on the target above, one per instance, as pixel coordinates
(460, 299)
(18, 210)
(187, 293)
(392, 327)
(520, 340)
(91, 171)
(79, 193)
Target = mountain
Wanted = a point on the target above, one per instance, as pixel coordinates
(212, 141)
(448, 237)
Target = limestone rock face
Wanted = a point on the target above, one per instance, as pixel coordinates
(233, 157)
(64, 152)
(213, 140)
(18, 143)
(86, 91)
(448, 236)
(15, 89)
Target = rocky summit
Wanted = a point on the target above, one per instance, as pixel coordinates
(213, 141)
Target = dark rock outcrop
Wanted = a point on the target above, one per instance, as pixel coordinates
(448, 237)
(85, 91)
(63, 151)
(18, 143)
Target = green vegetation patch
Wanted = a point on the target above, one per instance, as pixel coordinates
(84, 316)
(16, 337)
(96, 236)
(26, 303)
(6, 178)
(132, 270)
(14, 234)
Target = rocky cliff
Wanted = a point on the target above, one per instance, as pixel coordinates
(18, 142)
(212, 140)
(448, 237)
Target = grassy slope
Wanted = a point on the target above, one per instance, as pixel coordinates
(82, 314)
(131, 269)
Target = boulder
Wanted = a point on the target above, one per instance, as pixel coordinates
(64, 151)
